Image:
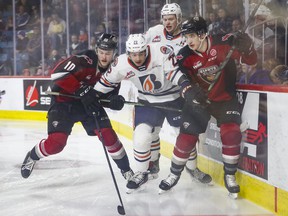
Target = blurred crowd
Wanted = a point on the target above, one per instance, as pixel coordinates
(60, 39)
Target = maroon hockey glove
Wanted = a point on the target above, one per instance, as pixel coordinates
(193, 93)
(116, 102)
(243, 43)
(89, 98)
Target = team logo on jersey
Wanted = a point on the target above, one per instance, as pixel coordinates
(150, 84)
(213, 52)
(186, 125)
(157, 38)
(88, 77)
(208, 74)
(130, 74)
(166, 49)
(55, 123)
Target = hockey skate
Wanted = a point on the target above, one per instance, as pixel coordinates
(128, 174)
(231, 185)
(153, 169)
(136, 181)
(27, 166)
(168, 183)
(200, 176)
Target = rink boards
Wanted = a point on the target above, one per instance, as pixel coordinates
(263, 174)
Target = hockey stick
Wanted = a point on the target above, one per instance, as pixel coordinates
(120, 208)
(223, 64)
(106, 100)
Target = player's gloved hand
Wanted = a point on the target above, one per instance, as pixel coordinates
(89, 98)
(193, 94)
(243, 43)
(116, 102)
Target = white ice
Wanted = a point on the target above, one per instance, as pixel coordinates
(77, 182)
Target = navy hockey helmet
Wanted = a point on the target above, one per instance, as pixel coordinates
(196, 25)
(107, 42)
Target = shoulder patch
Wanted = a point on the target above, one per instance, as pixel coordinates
(157, 38)
(130, 74)
(87, 58)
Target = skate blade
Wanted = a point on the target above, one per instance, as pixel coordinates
(233, 195)
(131, 191)
(160, 192)
(153, 176)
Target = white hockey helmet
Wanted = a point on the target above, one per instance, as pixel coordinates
(172, 9)
(136, 43)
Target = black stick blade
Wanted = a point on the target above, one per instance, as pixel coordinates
(121, 210)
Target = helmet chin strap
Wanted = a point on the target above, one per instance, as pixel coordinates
(178, 27)
(201, 41)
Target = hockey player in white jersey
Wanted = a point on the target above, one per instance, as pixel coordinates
(169, 33)
(154, 71)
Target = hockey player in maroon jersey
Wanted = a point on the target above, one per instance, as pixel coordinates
(169, 33)
(211, 93)
(77, 76)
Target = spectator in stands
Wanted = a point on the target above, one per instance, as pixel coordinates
(214, 25)
(2, 25)
(83, 37)
(237, 25)
(56, 31)
(225, 22)
(100, 29)
(34, 47)
(39, 70)
(26, 72)
(77, 21)
(9, 24)
(35, 19)
(22, 18)
(53, 59)
(93, 43)
(245, 72)
(262, 75)
(76, 46)
(22, 57)
(215, 4)
(59, 6)
(279, 75)
(27, 4)
(235, 9)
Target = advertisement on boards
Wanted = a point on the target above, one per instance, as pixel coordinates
(34, 94)
(254, 147)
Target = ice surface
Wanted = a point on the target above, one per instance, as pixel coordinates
(77, 182)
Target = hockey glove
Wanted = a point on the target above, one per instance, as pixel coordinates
(193, 94)
(243, 43)
(116, 102)
(89, 98)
